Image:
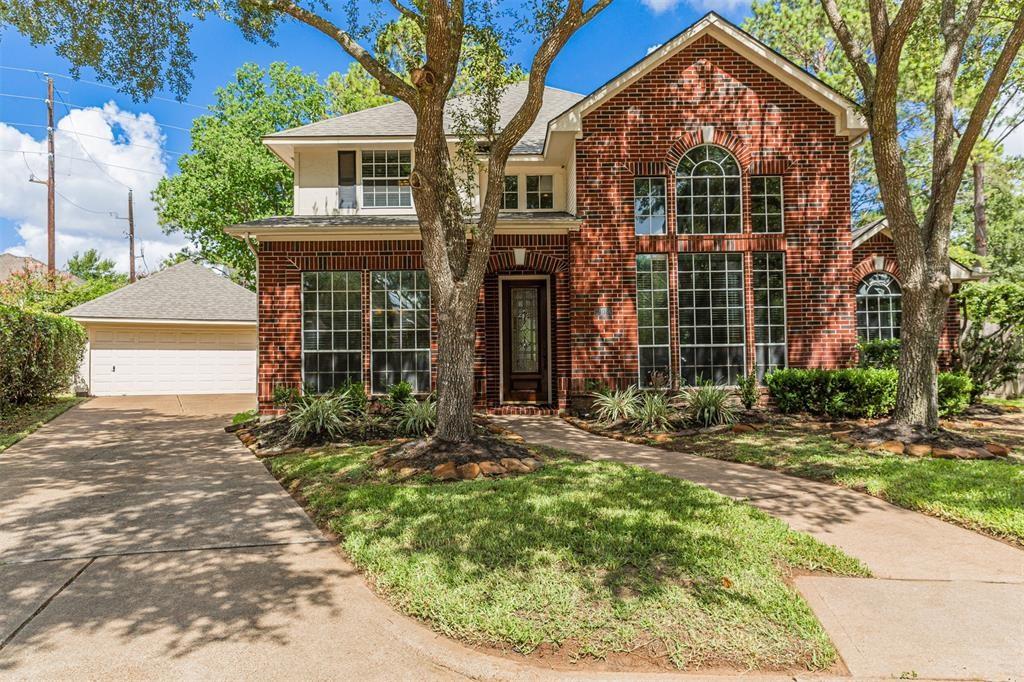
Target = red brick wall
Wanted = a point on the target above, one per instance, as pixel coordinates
(281, 265)
(771, 129)
(864, 264)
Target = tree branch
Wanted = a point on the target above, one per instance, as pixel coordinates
(407, 12)
(850, 46)
(390, 82)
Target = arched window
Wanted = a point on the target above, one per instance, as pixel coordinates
(708, 192)
(879, 307)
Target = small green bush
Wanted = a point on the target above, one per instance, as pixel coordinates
(400, 393)
(879, 354)
(707, 405)
(39, 354)
(243, 417)
(356, 400)
(284, 395)
(748, 390)
(416, 418)
(618, 405)
(955, 391)
(652, 413)
(317, 418)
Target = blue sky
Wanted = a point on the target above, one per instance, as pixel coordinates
(135, 142)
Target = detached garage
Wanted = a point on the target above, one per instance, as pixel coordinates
(185, 329)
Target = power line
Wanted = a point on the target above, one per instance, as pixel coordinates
(84, 148)
(98, 85)
(78, 158)
(91, 106)
(98, 137)
(83, 208)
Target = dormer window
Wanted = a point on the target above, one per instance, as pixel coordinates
(386, 178)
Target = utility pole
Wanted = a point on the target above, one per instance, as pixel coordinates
(131, 238)
(51, 218)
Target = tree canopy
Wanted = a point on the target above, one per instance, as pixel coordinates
(90, 265)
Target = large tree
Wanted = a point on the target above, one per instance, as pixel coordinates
(959, 112)
(146, 47)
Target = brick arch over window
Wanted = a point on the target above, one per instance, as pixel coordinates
(867, 266)
(695, 138)
(503, 261)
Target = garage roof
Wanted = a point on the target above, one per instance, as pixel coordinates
(184, 292)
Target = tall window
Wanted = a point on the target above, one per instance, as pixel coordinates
(652, 317)
(769, 311)
(766, 203)
(400, 329)
(711, 319)
(510, 195)
(540, 191)
(708, 192)
(879, 307)
(346, 179)
(386, 178)
(649, 205)
(332, 329)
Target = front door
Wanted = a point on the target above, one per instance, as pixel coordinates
(524, 324)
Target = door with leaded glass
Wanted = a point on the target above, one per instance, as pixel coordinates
(524, 361)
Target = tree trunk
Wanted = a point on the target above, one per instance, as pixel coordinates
(456, 350)
(980, 216)
(924, 313)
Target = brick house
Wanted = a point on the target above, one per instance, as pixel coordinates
(687, 220)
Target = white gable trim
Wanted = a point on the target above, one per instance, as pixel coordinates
(958, 272)
(849, 121)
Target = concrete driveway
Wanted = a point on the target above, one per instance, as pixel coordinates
(138, 540)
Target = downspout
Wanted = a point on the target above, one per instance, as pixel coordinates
(255, 254)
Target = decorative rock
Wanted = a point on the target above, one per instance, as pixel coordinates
(636, 440)
(406, 472)
(688, 432)
(446, 471)
(468, 471)
(720, 428)
(532, 463)
(918, 450)
(513, 465)
(514, 437)
(491, 469)
(742, 428)
(997, 449)
(843, 437)
(893, 446)
(494, 428)
(662, 438)
(958, 453)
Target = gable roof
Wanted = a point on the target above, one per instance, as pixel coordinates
(397, 120)
(11, 264)
(183, 292)
(849, 121)
(958, 272)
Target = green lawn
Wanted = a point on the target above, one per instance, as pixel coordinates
(596, 558)
(18, 421)
(986, 495)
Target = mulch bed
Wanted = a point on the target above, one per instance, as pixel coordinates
(493, 452)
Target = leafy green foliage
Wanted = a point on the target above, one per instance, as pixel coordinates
(955, 392)
(707, 405)
(598, 553)
(615, 406)
(39, 354)
(749, 389)
(318, 418)
(44, 293)
(243, 417)
(879, 353)
(90, 265)
(652, 413)
(416, 417)
(992, 347)
(284, 395)
(400, 393)
(18, 421)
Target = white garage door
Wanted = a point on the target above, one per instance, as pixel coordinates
(150, 360)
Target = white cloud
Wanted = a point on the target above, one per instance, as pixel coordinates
(1014, 142)
(653, 47)
(128, 148)
(721, 6)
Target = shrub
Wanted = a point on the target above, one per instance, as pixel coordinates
(836, 393)
(416, 418)
(317, 417)
(615, 406)
(748, 389)
(652, 413)
(39, 354)
(356, 401)
(879, 354)
(243, 417)
(707, 405)
(400, 393)
(284, 395)
(992, 346)
(955, 391)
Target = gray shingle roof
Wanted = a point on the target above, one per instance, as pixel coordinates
(11, 264)
(398, 120)
(185, 291)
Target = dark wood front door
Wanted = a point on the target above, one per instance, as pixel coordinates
(524, 330)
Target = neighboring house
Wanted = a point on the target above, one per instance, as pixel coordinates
(11, 264)
(690, 218)
(185, 329)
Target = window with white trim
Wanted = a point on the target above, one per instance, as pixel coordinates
(540, 192)
(649, 205)
(712, 335)
(769, 311)
(332, 329)
(766, 203)
(879, 307)
(708, 192)
(386, 178)
(510, 195)
(400, 329)
(652, 319)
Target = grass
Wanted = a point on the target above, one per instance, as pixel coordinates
(596, 559)
(17, 421)
(242, 417)
(984, 495)
(1005, 402)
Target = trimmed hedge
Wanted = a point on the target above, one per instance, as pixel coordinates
(856, 392)
(880, 353)
(39, 354)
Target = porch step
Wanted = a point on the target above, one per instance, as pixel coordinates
(527, 410)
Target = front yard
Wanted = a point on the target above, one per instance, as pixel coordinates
(579, 559)
(17, 421)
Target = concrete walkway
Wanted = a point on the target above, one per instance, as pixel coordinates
(945, 603)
